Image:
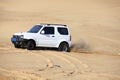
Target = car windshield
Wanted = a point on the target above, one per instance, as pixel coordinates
(35, 29)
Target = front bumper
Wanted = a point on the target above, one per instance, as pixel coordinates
(18, 41)
(14, 40)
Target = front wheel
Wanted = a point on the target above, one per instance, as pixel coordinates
(16, 45)
(64, 47)
(30, 45)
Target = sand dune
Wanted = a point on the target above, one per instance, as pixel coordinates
(95, 30)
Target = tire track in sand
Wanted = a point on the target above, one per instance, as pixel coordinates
(87, 70)
(65, 57)
(49, 62)
(78, 65)
(85, 67)
(53, 65)
(21, 75)
(71, 64)
(74, 62)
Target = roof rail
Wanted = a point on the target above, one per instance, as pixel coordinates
(54, 24)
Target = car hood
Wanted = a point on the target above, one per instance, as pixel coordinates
(20, 33)
(24, 33)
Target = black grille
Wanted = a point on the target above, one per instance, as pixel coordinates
(18, 37)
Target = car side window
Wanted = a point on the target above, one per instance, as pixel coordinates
(48, 30)
(63, 31)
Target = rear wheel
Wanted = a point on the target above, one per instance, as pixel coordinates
(64, 47)
(30, 45)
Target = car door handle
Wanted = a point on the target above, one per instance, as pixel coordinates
(53, 36)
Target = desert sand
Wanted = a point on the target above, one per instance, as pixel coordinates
(95, 30)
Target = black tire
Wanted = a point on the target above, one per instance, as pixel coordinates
(64, 47)
(30, 45)
(16, 46)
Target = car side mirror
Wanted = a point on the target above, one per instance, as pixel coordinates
(42, 32)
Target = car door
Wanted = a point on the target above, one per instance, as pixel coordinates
(47, 37)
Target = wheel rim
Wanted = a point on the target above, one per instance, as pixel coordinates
(31, 46)
(64, 47)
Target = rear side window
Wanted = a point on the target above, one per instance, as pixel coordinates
(49, 30)
(63, 31)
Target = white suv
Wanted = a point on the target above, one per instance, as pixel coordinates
(44, 35)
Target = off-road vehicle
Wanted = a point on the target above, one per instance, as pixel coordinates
(44, 35)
